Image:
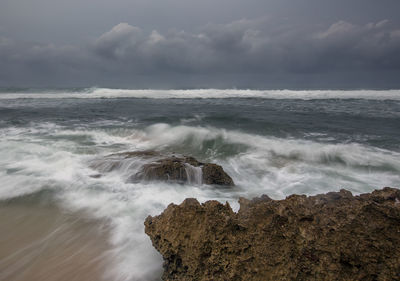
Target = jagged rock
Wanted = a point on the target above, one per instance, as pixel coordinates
(336, 236)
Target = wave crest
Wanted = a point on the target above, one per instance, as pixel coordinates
(96, 93)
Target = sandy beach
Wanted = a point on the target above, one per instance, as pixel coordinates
(41, 242)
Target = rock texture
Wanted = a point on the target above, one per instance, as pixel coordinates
(336, 236)
(215, 174)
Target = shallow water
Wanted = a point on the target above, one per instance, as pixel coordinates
(270, 142)
(41, 242)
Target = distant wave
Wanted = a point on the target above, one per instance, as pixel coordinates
(95, 93)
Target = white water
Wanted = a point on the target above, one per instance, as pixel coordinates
(194, 174)
(94, 93)
(47, 156)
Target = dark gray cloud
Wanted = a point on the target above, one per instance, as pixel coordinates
(71, 21)
(264, 51)
(254, 46)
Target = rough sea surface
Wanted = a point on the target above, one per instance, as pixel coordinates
(270, 142)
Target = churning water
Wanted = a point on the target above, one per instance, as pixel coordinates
(270, 142)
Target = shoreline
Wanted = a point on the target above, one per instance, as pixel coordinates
(42, 242)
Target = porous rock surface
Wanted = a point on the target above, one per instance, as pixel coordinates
(336, 236)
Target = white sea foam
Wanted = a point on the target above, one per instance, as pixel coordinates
(46, 156)
(194, 174)
(95, 93)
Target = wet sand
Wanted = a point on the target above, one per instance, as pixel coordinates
(41, 242)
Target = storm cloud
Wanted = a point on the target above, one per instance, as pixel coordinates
(259, 52)
(253, 46)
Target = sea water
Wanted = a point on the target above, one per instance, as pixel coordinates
(270, 142)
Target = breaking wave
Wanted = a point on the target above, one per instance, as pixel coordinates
(95, 93)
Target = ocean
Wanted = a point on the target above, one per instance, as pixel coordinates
(60, 221)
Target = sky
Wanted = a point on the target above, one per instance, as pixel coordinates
(267, 44)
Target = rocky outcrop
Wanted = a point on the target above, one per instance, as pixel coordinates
(336, 236)
(215, 174)
(184, 169)
(154, 166)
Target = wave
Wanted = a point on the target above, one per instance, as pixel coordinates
(253, 160)
(46, 158)
(106, 93)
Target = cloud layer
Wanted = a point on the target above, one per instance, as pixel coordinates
(242, 53)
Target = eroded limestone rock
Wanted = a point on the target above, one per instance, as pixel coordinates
(336, 236)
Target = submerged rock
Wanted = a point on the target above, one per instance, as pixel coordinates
(184, 169)
(336, 236)
(154, 166)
